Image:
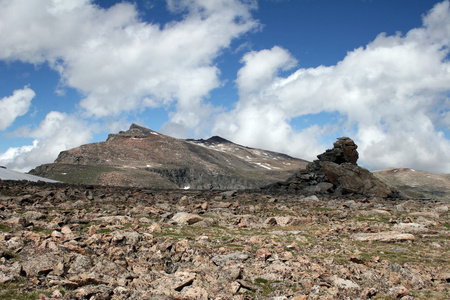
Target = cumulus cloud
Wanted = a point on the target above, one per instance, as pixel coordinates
(121, 63)
(15, 106)
(57, 132)
(391, 94)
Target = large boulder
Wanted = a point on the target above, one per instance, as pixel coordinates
(348, 178)
(335, 172)
(343, 151)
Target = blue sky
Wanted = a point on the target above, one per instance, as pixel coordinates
(285, 75)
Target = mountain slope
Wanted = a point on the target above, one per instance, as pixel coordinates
(417, 184)
(145, 158)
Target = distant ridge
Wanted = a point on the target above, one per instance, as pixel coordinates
(417, 184)
(142, 157)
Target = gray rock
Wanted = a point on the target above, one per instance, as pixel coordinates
(82, 264)
(345, 283)
(389, 236)
(186, 218)
(414, 228)
(40, 264)
(233, 257)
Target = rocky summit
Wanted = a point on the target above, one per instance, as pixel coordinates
(142, 157)
(336, 172)
(60, 241)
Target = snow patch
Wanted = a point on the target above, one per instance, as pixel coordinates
(6, 174)
(261, 165)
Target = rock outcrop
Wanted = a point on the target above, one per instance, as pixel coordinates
(337, 172)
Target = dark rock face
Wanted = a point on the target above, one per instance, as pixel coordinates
(336, 172)
(344, 150)
(349, 178)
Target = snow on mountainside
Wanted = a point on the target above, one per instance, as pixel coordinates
(262, 158)
(6, 174)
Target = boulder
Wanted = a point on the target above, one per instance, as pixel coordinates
(336, 172)
(343, 151)
(186, 218)
(348, 178)
(387, 236)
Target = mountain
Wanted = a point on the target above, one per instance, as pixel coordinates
(417, 184)
(145, 158)
(6, 174)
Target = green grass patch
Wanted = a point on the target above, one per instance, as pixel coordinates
(104, 230)
(5, 228)
(42, 230)
(175, 235)
(384, 297)
(78, 174)
(265, 284)
(14, 291)
(8, 254)
(231, 246)
(371, 218)
(426, 295)
(404, 253)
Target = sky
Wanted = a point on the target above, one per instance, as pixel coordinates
(284, 75)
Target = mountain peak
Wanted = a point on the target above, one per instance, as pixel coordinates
(217, 139)
(135, 131)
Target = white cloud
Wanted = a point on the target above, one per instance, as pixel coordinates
(57, 132)
(393, 94)
(15, 106)
(119, 62)
(261, 67)
(8, 157)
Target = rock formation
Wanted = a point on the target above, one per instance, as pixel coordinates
(337, 172)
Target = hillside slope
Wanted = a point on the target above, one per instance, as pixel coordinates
(417, 184)
(145, 158)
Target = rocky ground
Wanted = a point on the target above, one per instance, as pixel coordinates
(83, 242)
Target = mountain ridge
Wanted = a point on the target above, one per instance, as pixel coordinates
(416, 184)
(146, 158)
